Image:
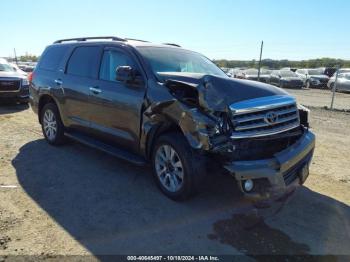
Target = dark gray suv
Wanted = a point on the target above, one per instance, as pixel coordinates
(175, 109)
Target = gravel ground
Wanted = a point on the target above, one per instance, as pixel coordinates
(321, 98)
(73, 200)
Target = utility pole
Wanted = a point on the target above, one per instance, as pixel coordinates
(261, 49)
(334, 87)
(15, 56)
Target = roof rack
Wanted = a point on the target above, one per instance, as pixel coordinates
(133, 39)
(114, 38)
(172, 44)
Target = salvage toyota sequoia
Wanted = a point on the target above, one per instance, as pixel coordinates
(173, 108)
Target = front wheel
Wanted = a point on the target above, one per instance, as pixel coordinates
(51, 125)
(177, 169)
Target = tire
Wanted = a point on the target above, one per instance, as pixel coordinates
(174, 184)
(280, 84)
(51, 125)
(307, 85)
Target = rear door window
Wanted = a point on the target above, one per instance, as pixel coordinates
(84, 62)
(52, 57)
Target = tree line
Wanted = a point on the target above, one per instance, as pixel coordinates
(277, 64)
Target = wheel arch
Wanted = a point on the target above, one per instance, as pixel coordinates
(158, 130)
(43, 100)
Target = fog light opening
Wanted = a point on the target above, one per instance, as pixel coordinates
(304, 173)
(248, 185)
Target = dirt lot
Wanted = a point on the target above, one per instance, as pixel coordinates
(321, 98)
(75, 200)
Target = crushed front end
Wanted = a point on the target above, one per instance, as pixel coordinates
(270, 146)
(257, 132)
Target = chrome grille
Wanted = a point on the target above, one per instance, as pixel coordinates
(264, 116)
(9, 85)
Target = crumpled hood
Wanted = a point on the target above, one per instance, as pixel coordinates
(218, 93)
(11, 75)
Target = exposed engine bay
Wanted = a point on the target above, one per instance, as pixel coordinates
(210, 105)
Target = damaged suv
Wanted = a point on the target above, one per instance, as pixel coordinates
(174, 108)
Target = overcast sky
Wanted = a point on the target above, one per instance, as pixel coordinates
(291, 29)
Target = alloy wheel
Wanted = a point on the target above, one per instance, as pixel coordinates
(169, 168)
(50, 125)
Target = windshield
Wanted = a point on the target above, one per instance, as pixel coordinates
(251, 72)
(343, 71)
(315, 72)
(287, 73)
(6, 68)
(164, 59)
(266, 72)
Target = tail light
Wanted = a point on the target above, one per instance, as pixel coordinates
(31, 76)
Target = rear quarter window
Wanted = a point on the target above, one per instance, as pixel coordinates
(52, 57)
(84, 61)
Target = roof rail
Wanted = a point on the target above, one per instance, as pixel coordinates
(114, 38)
(172, 44)
(133, 39)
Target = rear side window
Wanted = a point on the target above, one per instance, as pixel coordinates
(84, 62)
(52, 57)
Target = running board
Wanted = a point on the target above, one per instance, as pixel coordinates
(112, 150)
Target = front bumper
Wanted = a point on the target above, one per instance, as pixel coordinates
(318, 84)
(276, 176)
(293, 84)
(22, 95)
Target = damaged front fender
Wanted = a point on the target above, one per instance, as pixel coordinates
(179, 107)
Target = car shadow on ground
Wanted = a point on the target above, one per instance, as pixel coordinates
(112, 207)
(9, 108)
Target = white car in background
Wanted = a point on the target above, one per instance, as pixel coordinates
(343, 82)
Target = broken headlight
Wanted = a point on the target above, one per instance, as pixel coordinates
(223, 125)
(304, 115)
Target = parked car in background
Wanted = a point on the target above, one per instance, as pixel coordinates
(289, 68)
(27, 66)
(343, 82)
(286, 78)
(313, 78)
(252, 74)
(328, 71)
(14, 86)
(18, 70)
(343, 70)
(235, 72)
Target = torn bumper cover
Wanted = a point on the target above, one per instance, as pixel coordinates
(274, 177)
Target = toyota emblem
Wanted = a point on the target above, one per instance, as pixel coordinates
(271, 118)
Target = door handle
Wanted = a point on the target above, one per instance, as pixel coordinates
(58, 82)
(95, 90)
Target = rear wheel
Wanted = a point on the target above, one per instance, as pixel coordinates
(307, 84)
(51, 125)
(177, 170)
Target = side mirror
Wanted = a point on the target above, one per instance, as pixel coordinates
(125, 74)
